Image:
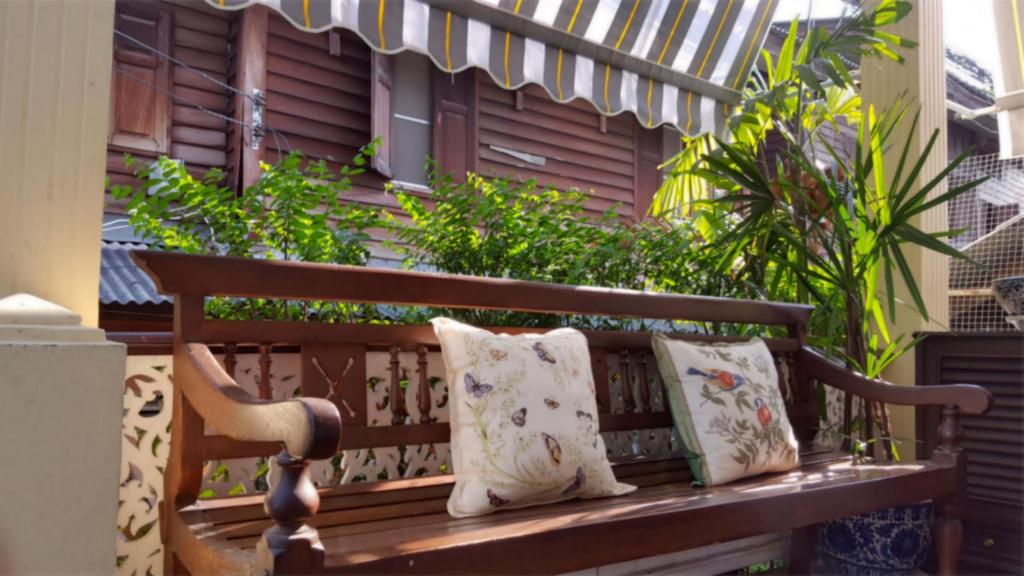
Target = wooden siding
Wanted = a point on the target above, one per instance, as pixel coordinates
(994, 443)
(577, 154)
(318, 89)
(320, 103)
(201, 38)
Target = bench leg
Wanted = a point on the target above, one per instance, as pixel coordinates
(291, 546)
(801, 549)
(286, 551)
(949, 533)
(949, 530)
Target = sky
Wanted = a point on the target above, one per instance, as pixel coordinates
(968, 25)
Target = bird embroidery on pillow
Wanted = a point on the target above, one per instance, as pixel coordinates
(764, 413)
(724, 381)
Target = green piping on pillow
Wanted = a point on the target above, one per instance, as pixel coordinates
(680, 410)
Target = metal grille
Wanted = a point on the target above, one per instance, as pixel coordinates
(992, 216)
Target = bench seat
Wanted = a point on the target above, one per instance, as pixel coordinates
(402, 527)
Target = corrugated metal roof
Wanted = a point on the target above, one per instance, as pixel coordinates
(121, 281)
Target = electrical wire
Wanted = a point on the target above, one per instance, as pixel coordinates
(170, 58)
(273, 132)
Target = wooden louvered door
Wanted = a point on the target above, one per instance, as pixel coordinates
(994, 517)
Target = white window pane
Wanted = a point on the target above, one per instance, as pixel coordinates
(412, 109)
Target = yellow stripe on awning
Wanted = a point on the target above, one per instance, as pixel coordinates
(637, 48)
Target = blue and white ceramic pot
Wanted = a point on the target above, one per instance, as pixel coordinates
(1009, 292)
(884, 543)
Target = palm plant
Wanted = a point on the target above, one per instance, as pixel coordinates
(791, 97)
(847, 249)
(810, 223)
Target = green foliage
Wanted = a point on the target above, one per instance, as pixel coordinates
(498, 228)
(809, 223)
(807, 89)
(508, 229)
(292, 212)
(846, 247)
(295, 212)
(480, 226)
(798, 232)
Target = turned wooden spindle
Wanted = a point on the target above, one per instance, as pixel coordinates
(847, 421)
(424, 388)
(782, 370)
(949, 528)
(626, 378)
(230, 361)
(950, 432)
(645, 388)
(868, 428)
(264, 387)
(291, 545)
(398, 410)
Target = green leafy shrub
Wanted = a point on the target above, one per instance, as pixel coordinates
(295, 212)
(496, 228)
(292, 212)
(819, 225)
(487, 227)
(510, 229)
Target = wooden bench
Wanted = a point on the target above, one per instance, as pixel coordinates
(401, 525)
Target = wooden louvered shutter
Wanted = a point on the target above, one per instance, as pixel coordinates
(381, 89)
(455, 122)
(647, 178)
(993, 539)
(140, 109)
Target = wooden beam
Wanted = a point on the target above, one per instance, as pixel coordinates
(252, 75)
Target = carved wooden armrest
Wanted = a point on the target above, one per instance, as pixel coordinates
(969, 398)
(309, 428)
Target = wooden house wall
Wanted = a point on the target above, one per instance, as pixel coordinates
(318, 89)
(977, 138)
(318, 101)
(576, 152)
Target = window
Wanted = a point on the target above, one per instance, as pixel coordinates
(401, 117)
(411, 129)
(139, 106)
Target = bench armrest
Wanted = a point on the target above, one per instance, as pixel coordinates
(969, 398)
(308, 427)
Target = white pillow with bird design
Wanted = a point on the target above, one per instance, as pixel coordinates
(524, 419)
(728, 408)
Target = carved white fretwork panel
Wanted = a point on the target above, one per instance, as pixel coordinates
(144, 448)
(147, 417)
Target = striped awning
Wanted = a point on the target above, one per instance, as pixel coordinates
(678, 62)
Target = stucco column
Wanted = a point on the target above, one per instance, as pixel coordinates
(60, 382)
(60, 420)
(55, 59)
(921, 82)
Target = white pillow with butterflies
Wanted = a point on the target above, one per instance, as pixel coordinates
(524, 419)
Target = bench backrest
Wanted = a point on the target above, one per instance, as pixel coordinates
(339, 350)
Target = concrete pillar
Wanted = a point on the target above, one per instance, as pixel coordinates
(55, 60)
(60, 420)
(921, 82)
(60, 381)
